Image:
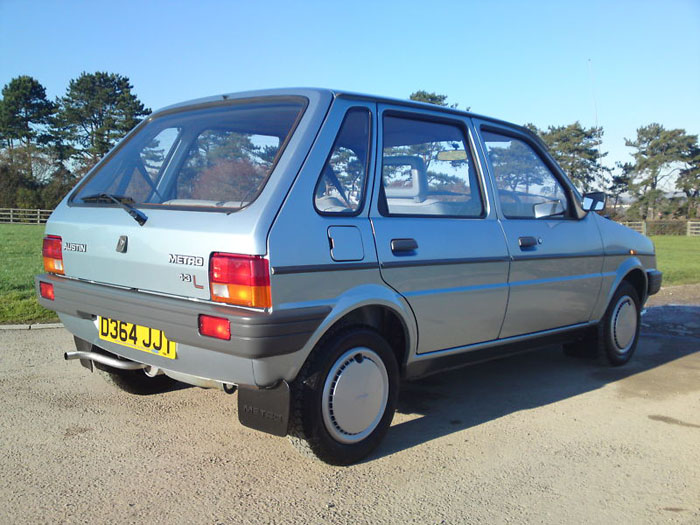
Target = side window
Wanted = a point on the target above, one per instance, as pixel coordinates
(527, 189)
(341, 186)
(428, 170)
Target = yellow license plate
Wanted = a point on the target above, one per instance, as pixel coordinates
(136, 336)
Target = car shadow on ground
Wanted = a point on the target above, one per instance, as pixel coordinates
(467, 397)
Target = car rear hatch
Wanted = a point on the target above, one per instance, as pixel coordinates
(169, 254)
(185, 184)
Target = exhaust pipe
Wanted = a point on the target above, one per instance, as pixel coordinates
(105, 360)
(152, 371)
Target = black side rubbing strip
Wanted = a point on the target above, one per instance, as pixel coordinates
(313, 268)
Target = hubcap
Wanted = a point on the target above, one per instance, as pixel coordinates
(355, 395)
(624, 324)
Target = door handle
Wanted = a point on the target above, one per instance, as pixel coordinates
(403, 245)
(527, 242)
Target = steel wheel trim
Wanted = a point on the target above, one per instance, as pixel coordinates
(355, 395)
(623, 324)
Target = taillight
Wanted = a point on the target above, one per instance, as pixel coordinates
(46, 291)
(215, 327)
(243, 280)
(53, 256)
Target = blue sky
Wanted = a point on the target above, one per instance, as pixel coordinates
(519, 61)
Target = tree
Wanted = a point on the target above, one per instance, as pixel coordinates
(24, 109)
(60, 183)
(24, 116)
(97, 110)
(659, 154)
(432, 98)
(620, 183)
(689, 181)
(577, 150)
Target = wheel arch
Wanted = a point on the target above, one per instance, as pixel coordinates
(632, 271)
(637, 278)
(385, 320)
(370, 305)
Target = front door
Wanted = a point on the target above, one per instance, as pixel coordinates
(556, 258)
(438, 241)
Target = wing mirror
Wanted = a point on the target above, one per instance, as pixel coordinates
(594, 201)
(548, 209)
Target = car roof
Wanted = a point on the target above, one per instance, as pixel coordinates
(311, 92)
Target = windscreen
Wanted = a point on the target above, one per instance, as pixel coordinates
(212, 158)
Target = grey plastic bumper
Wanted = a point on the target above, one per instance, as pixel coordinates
(254, 335)
(654, 278)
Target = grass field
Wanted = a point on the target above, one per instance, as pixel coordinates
(678, 258)
(21, 261)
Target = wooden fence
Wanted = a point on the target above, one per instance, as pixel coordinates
(23, 216)
(690, 228)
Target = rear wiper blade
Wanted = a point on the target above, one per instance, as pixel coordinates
(120, 200)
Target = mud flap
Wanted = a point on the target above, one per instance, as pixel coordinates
(265, 409)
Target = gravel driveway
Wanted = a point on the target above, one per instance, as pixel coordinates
(533, 438)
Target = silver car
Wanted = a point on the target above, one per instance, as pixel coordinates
(309, 248)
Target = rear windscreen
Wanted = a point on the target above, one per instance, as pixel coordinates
(218, 157)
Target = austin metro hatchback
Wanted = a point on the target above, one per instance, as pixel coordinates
(309, 249)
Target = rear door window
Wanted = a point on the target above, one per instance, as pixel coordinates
(428, 170)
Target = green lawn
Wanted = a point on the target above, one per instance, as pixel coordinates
(20, 246)
(678, 258)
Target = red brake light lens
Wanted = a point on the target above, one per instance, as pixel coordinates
(53, 255)
(242, 280)
(46, 291)
(217, 327)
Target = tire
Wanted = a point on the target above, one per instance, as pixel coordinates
(345, 397)
(618, 332)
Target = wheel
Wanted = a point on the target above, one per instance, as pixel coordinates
(133, 381)
(619, 328)
(345, 396)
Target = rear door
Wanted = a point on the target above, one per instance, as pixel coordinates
(438, 240)
(556, 266)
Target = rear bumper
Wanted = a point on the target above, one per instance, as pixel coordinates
(254, 335)
(654, 278)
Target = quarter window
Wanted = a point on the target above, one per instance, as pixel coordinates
(527, 189)
(428, 170)
(341, 186)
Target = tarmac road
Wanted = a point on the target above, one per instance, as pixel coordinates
(533, 438)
